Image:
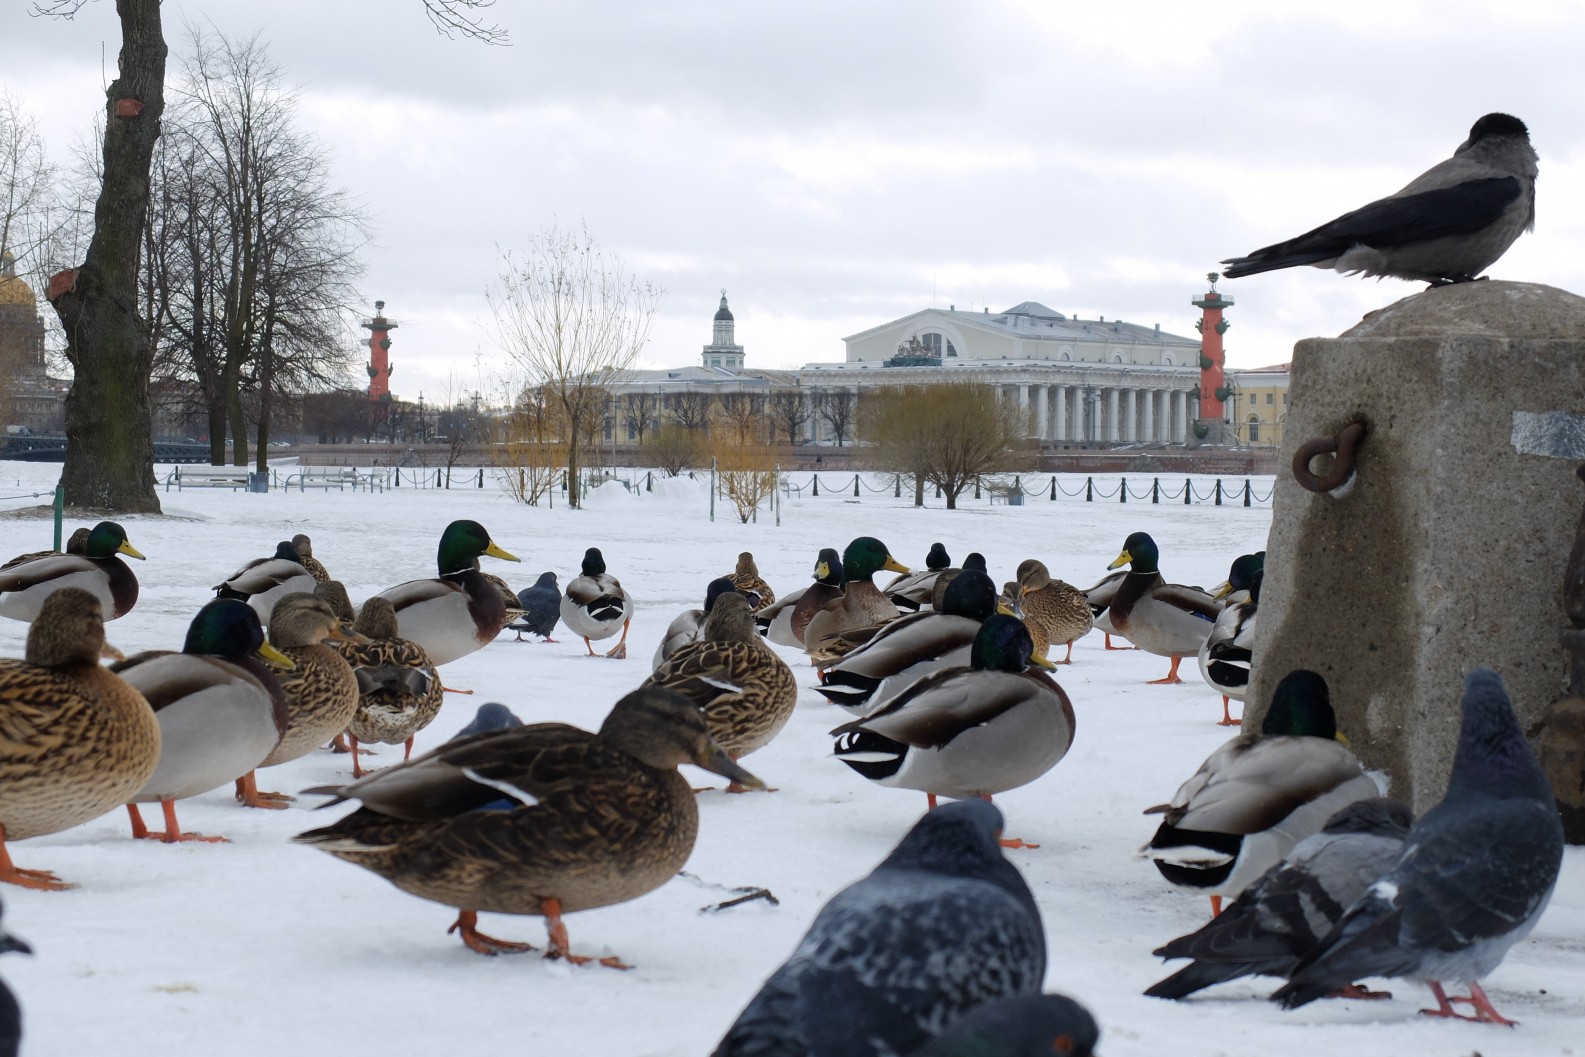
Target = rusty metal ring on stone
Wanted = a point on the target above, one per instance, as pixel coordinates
(1343, 444)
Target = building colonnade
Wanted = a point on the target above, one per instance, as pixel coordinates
(1102, 414)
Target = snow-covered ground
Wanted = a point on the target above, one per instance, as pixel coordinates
(261, 947)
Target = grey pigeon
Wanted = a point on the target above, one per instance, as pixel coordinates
(491, 716)
(944, 924)
(1026, 1026)
(1280, 917)
(541, 606)
(1473, 877)
(1447, 226)
(10, 1012)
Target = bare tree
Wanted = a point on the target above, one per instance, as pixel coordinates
(640, 411)
(573, 321)
(452, 18)
(744, 414)
(789, 411)
(31, 213)
(690, 409)
(946, 434)
(675, 448)
(837, 409)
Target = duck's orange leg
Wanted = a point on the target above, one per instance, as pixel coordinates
(1171, 677)
(10, 873)
(619, 651)
(249, 795)
(173, 831)
(1227, 719)
(1008, 842)
(1216, 906)
(559, 947)
(468, 923)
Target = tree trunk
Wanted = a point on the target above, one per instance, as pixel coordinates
(109, 420)
(919, 489)
(217, 433)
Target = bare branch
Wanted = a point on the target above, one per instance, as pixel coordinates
(451, 19)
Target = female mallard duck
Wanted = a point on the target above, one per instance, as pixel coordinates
(911, 591)
(305, 558)
(321, 692)
(264, 581)
(784, 623)
(1169, 620)
(595, 605)
(1258, 795)
(455, 613)
(862, 602)
(688, 626)
(76, 543)
(1225, 657)
(745, 691)
(912, 646)
(29, 579)
(938, 590)
(967, 732)
(1054, 611)
(748, 581)
(220, 713)
(334, 594)
(399, 691)
(542, 819)
(75, 739)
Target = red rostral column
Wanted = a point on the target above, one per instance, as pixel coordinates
(379, 353)
(1213, 379)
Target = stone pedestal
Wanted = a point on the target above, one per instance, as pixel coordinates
(1448, 552)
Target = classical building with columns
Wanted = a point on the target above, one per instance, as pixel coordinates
(1084, 383)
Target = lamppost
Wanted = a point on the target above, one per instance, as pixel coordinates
(423, 427)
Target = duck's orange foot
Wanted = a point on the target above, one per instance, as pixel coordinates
(1014, 842)
(1171, 680)
(468, 920)
(734, 786)
(617, 652)
(1364, 994)
(453, 690)
(250, 795)
(339, 746)
(41, 880)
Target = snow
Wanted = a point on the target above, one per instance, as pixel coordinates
(262, 947)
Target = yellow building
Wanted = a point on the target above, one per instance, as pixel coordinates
(1258, 407)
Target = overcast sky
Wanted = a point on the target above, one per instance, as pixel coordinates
(836, 164)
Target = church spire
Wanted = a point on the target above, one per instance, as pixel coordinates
(723, 350)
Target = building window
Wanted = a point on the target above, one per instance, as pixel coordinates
(933, 343)
(1254, 430)
(1270, 398)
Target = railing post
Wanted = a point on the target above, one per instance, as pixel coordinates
(897, 489)
(1188, 492)
(649, 479)
(1246, 491)
(481, 477)
(815, 491)
(1122, 490)
(60, 513)
(712, 489)
(1155, 490)
(775, 495)
(976, 486)
(855, 486)
(1053, 488)
(1089, 489)
(1218, 491)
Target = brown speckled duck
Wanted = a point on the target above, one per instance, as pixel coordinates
(75, 740)
(542, 819)
(305, 558)
(746, 578)
(1053, 610)
(27, 580)
(399, 691)
(862, 602)
(745, 691)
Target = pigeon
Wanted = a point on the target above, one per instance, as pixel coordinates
(10, 1012)
(1447, 226)
(944, 924)
(491, 716)
(1026, 1026)
(1282, 915)
(1474, 876)
(541, 605)
(1258, 795)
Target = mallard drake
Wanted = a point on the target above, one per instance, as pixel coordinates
(305, 558)
(76, 543)
(28, 580)
(911, 591)
(542, 819)
(399, 691)
(1100, 598)
(321, 692)
(745, 691)
(220, 715)
(912, 646)
(688, 626)
(967, 732)
(457, 612)
(595, 605)
(541, 608)
(861, 602)
(1258, 795)
(1226, 655)
(784, 623)
(264, 581)
(938, 590)
(75, 739)
(1054, 611)
(1169, 620)
(748, 581)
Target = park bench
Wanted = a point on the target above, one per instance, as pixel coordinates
(210, 477)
